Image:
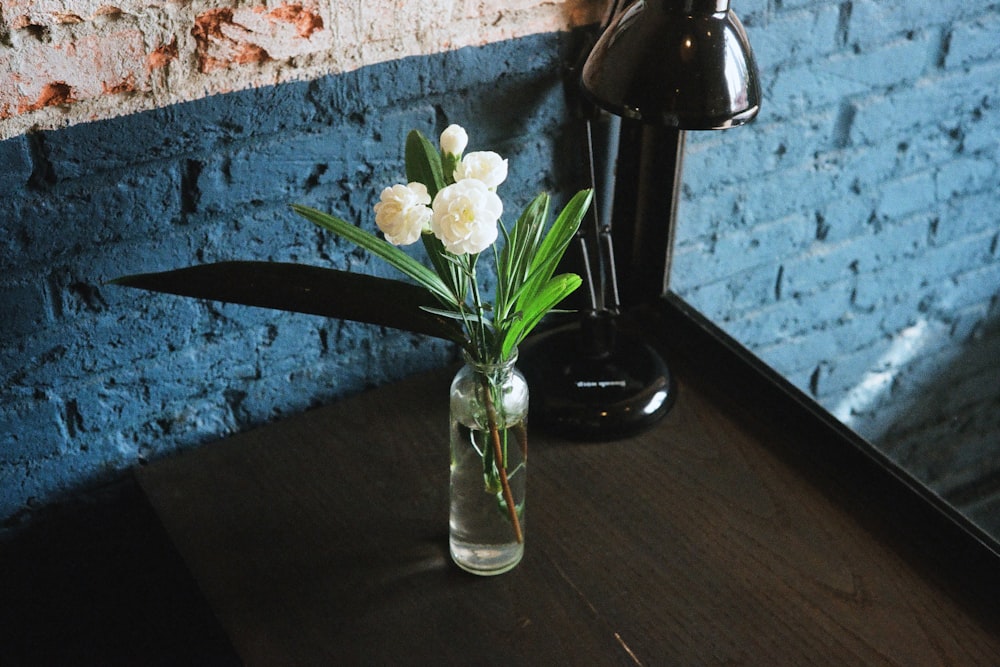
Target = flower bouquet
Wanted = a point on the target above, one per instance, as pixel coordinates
(450, 204)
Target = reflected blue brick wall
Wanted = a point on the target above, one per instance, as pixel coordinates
(851, 235)
(98, 378)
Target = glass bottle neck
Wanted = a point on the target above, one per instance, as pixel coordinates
(492, 369)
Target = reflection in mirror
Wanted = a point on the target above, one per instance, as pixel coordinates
(849, 236)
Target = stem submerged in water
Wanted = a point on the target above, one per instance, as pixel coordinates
(500, 460)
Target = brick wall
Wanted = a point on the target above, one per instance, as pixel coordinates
(98, 378)
(63, 61)
(847, 232)
(850, 235)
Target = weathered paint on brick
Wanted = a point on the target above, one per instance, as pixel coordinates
(69, 62)
(852, 213)
(96, 378)
(230, 36)
(66, 73)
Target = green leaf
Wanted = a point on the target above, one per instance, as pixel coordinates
(451, 275)
(537, 306)
(519, 250)
(308, 289)
(449, 314)
(423, 163)
(381, 248)
(554, 245)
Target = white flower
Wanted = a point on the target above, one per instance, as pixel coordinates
(465, 217)
(485, 166)
(454, 140)
(403, 214)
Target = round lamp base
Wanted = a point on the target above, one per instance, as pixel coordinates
(594, 381)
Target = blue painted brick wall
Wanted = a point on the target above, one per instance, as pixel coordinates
(98, 378)
(857, 210)
(850, 235)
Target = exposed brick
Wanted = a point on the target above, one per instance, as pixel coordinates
(51, 12)
(63, 73)
(245, 35)
(69, 57)
(162, 56)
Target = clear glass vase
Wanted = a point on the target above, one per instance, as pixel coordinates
(489, 450)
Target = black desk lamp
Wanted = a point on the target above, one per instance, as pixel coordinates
(661, 67)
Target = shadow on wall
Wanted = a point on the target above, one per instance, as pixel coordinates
(96, 379)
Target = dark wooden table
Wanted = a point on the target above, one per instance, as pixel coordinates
(708, 540)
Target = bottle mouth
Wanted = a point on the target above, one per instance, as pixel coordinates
(490, 365)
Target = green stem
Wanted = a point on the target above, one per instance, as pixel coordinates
(478, 304)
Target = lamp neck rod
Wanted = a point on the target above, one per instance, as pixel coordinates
(647, 187)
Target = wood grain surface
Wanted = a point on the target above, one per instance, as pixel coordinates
(323, 540)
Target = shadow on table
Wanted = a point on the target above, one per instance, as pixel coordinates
(99, 583)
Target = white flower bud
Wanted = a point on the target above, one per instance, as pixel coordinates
(454, 140)
(465, 217)
(403, 213)
(485, 166)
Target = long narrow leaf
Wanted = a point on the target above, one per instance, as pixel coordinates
(557, 289)
(555, 243)
(519, 250)
(390, 253)
(308, 289)
(447, 314)
(450, 275)
(524, 237)
(531, 234)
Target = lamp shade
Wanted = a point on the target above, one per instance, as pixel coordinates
(678, 63)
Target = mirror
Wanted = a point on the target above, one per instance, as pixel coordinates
(849, 236)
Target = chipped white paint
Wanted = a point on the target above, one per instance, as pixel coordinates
(68, 61)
